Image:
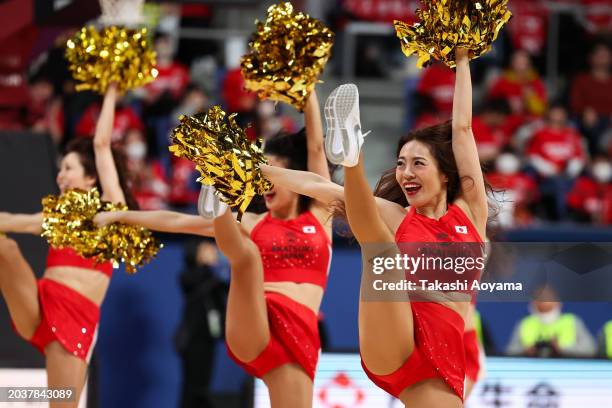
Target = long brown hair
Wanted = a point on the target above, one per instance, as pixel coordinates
(293, 148)
(83, 147)
(439, 139)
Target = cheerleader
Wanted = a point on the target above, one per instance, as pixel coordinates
(59, 313)
(436, 193)
(279, 266)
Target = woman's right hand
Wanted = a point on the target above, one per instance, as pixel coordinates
(105, 218)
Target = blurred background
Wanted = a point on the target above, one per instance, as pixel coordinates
(542, 120)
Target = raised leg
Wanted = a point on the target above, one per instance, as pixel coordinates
(247, 330)
(19, 289)
(386, 336)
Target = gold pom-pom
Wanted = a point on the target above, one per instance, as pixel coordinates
(68, 222)
(224, 156)
(287, 54)
(112, 54)
(447, 24)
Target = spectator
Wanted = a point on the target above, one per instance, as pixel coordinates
(149, 184)
(202, 324)
(597, 16)
(270, 121)
(44, 110)
(593, 89)
(237, 98)
(493, 128)
(591, 197)
(522, 87)
(162, 95)
(594, 128)
(126, 118)
(438, 84)
(528, 27)
(519, 191)
(557, 154)
(547, 332)
(604, 341)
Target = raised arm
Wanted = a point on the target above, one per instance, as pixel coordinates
(317, 162)
(21, 223)
(105, 163)
(474, 195)
(163, 221)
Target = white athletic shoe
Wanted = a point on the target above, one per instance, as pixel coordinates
(209, 205)
(343, 139)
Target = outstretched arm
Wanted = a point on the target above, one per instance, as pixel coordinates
(21, 223)
(105, 164)
(305, 183)
(317, 162)
(464, 146)
(325, 191)
(163, 221)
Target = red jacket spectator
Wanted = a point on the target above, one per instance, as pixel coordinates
(528, 27)
(125, 119)
(181, 182)
(172, 78)
(526, 95)
(438, 83)
(598, 14)
(593, 199)
(150, 187)
(517, 189)
(593, 89)
(552, 150)
(493, 131)
(236, 97)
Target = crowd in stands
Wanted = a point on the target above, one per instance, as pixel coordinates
(549, 158)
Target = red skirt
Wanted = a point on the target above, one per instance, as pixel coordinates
(294, 338)
(438, 351)
(67, 317)
(472, 355)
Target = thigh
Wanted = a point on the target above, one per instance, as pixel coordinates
(19, 288)
(432, 392)
(289, 386)
(64, 371)
(246, 328)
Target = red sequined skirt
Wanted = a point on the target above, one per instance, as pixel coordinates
(438, 351)
(67, 317)
(294, 338)
(472, 355)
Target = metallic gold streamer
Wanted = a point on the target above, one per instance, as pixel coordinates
(288, 52)
(112, 54)
(223, 155)
(447, 24)
(68, 222)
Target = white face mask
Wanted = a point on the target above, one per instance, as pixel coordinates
(507, 163)
(602, 172)
(546, 317)
(136, 151)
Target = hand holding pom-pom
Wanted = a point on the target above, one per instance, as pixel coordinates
(447, 24)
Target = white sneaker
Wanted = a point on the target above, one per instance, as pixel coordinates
(209, 205)
(343, 139)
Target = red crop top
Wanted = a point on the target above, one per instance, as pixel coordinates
(296, 250)
(68, 257)
(419, 235)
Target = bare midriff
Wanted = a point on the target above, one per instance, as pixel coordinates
(89, 283)
(307, 294)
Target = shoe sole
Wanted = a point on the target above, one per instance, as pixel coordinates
(338, 138)
(209, 205)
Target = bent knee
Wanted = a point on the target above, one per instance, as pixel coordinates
(244, 346)
(383, 360)
(8, 248)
